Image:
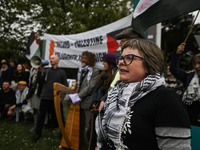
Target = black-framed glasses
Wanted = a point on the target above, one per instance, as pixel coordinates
(127, 59)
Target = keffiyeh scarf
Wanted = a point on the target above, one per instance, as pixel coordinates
(84, 70)
(192, 93)
(110, 121)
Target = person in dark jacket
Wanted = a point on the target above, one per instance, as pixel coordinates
(11, 69)
(4, 72)
(7, 99)
(190, 79)
(47, 78)
(19, 74)
(34, 96)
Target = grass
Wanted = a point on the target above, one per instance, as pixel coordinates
(18, 136)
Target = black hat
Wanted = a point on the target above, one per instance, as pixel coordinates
(128, 33)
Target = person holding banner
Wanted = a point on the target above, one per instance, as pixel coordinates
(191, 95)
(87, 79)
(140, 112)
(46, 78)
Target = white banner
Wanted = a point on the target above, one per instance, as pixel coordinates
(99, 41)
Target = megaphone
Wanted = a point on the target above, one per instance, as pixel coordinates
(37, 61)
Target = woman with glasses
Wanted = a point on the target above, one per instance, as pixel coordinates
(140, 112)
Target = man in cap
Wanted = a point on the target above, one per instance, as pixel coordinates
(20, 101)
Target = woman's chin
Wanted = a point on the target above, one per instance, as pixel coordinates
(123, 79)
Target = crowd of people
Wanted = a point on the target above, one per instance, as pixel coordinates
(132, 104)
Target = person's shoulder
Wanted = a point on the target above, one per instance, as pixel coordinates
(167, 96)
(61, 70)
(162, 89)
(95, 69)
(163, 92)
(12, 91)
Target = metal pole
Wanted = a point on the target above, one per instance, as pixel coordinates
(191, 28)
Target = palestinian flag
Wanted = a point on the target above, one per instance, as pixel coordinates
(32, 47)
(151, 12)
(197, 37)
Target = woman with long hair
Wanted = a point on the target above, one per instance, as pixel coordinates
(104, 81)
(18, 76)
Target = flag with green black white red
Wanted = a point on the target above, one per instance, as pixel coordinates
(99, 41)
(151, 12)
(32, 47)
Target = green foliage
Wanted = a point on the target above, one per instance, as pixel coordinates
(174, 32)
(61, 17)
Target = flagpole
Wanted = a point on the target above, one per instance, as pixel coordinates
(191, 27)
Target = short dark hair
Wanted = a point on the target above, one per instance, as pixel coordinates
(7, 81)
(90, 57)
(153, 57)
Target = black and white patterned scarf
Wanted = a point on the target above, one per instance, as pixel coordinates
(110, 121)
(84, 70)
(192, 93)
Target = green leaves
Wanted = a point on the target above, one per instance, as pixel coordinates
(20, 18)
(174, 32)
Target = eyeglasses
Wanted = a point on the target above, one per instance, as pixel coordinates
(127, 59)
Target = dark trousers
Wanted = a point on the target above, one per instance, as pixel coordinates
(46, 105)
(194, 112)
(92, 136)
(85, 116)
(4, 110)
(82, 126)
